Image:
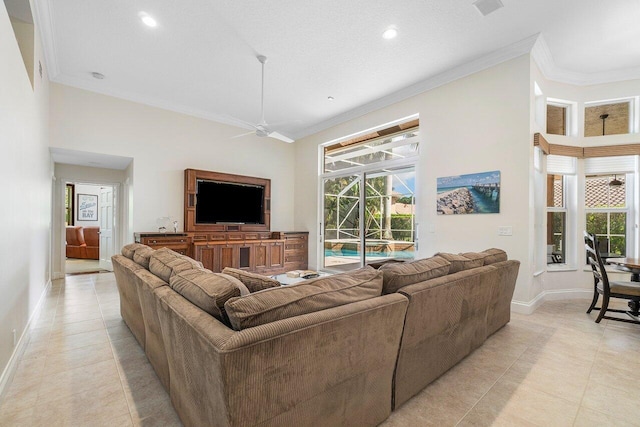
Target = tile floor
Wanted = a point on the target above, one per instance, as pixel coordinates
(556, 367)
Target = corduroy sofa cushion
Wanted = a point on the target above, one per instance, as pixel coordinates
(209, 291)
(494, 255)
(460, 262)
(305, 297)
(130, 249)
(164, 263)
(254, 282)
(142, 256)
(397, 275)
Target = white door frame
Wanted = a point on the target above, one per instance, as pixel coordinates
(59, 239)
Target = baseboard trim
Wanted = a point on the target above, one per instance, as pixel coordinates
(529, 307)
(11, 366)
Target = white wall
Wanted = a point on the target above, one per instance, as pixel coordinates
(163, 144)
(26, 174)
(475, 124)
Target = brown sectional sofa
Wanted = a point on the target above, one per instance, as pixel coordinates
(343, 350)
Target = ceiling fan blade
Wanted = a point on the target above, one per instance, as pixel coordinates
(281, 137)
(244, 134)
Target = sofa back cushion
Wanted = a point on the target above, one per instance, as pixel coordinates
(206, 290)
(459, 262)
(305, 297)
(253, 281)
(130, 249)
(397, 275)
(164, 263)
(142, 256)
(494, 255)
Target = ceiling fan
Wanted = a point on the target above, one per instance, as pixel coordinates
(263, 128)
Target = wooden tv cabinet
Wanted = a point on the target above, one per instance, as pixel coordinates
(266, 253)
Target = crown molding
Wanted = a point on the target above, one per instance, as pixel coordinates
(494, 58)
(45, 26)
(543, 58)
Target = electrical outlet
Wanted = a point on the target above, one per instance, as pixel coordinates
(505, 231)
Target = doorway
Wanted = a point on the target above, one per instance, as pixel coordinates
(89, 220)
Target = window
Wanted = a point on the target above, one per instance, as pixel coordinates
(606, 211)
(556, 219)
(368, 196)
(607, 118)
(557, 119)
(69, 196)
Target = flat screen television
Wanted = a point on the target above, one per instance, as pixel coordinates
(224, 202)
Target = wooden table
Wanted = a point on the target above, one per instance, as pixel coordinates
(631, 265)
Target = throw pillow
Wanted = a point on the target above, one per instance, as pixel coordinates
(206, 290)
(305, 297)
(459, 262)
(142, 256)
(495, 255)
(254, 282)
(398, 275)
(129, 250)
(164, 263)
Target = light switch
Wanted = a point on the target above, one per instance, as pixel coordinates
(505, 231)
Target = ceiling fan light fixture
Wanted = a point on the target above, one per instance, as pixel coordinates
(615, 182)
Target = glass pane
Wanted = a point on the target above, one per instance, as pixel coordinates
(618, 223)
(393, 147)
(604, 191)
(597, 223)
(556, 230)
(342, 223)
(618, 245)
(389, 215)
(555, 191)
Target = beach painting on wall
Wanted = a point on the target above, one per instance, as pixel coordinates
(469, 194)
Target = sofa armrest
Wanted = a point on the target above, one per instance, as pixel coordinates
(282, 372)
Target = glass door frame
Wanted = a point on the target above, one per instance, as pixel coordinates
(360, 172)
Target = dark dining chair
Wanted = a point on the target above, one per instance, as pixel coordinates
(601, 286)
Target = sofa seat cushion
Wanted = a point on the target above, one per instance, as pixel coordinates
(305, 297)
(130, 249)
(398, 275)
(459, 262)
(142, 256)
(206, 290)
(164, 263)
(253, 281)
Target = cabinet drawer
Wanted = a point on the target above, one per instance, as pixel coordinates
(165, 240)
(295, 246)
(293, 237)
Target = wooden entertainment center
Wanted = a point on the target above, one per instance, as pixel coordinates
(248, 246)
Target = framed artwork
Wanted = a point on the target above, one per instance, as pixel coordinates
(469, 194)
(87, 207)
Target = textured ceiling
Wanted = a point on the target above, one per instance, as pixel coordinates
(200, 59)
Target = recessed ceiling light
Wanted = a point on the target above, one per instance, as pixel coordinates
(486, 7)
(390, 33)
(97, 75)
(147, 20)
(330, 98)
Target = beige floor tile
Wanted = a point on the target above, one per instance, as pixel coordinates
(65, 329)
(590, 418)
(512, 403)
(611, 400)
(83, 339)
(79, 357)
(102, 376)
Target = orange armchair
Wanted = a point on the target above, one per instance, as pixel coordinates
(76, 246)
(92, 239)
